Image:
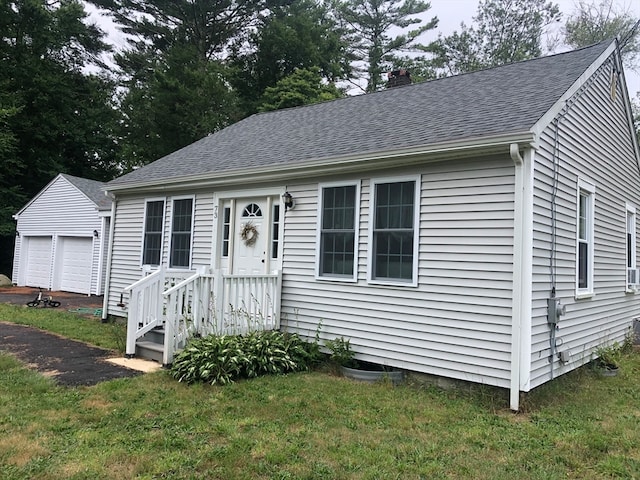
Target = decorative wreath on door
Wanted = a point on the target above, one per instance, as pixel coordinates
(249, 234)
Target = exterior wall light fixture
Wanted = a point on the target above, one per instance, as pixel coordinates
(287, 199)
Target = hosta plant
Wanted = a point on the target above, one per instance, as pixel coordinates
(220, 359)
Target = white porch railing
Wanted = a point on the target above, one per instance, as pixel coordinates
(145, 306)
(202, 304)
(249, 303)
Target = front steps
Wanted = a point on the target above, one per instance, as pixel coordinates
(151, 345)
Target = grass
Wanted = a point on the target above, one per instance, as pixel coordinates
(315, 426)
(88, 329)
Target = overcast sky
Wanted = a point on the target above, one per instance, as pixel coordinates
(450, 14)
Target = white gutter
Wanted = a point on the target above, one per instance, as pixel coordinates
(336, 165)
(105, 302)
(522, 273)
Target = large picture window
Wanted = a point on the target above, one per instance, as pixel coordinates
(338, 207)
(394, 232)
(181, 223)
(584, 243)
(153, 224)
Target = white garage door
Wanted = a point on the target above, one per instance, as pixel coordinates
(76, 264)
(38, 268)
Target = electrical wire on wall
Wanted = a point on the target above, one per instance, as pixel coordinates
(555, 161)
(554, 306)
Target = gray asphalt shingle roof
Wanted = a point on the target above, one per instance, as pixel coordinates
(92, 189)
(501, 100)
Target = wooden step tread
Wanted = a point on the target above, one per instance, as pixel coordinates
(150, 345)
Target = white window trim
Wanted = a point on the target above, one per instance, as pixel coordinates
(273, 230)
(226, 205)
(338, 278)
(144, 229)
(630, 209)
(193, 210)
(416, 230)
(589, 188)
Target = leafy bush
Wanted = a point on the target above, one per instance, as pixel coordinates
(214, 359)
(341, 353)
(222, 359)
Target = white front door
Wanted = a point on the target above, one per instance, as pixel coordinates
(252, 237)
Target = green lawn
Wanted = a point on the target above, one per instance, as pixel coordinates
(311, 426)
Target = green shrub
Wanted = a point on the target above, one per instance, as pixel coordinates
(213, 359)
(304, 354)
(266, 353)
(341, 353)
(222, 359)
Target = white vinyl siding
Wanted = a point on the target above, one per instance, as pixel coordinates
(457, 321)
(202, 230)
(595, 144)
(129, 237)
(60, 211)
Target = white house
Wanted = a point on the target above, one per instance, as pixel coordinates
(480, 227)
(61, 237)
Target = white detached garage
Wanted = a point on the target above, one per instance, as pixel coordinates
(61, 237)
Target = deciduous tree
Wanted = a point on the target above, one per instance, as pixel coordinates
(595, 21)
(54, 117)
(504, 31)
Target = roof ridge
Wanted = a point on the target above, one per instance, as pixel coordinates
(499, 100)
(431, 80)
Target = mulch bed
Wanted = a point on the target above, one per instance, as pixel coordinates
(69, 362)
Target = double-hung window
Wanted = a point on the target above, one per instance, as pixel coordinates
(181, 226)
(394, 231)
(584, 241)
(153, 224)
(338, 231)
(632, 272)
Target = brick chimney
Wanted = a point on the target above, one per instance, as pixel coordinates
(397, 78)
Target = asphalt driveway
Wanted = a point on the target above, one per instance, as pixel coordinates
(68, 362)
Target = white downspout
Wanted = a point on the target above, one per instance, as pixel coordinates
(107, 280)
(103, 223)
(522, 274)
